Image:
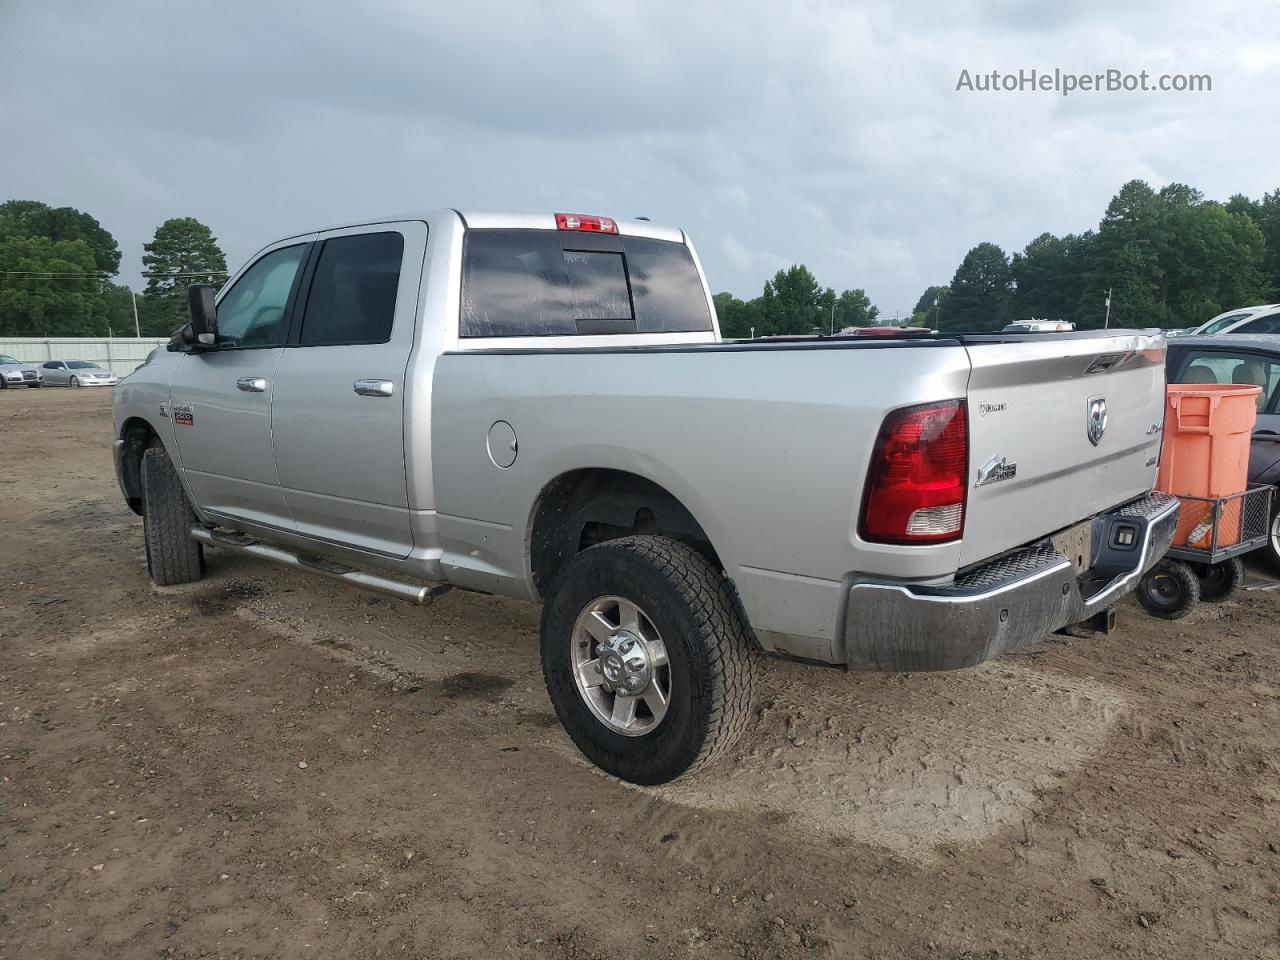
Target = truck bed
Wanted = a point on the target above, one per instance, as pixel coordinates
(767, 444)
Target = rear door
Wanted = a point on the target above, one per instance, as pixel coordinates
(337, 412)
(1061, 427)
(220, 400)
(1195, 364)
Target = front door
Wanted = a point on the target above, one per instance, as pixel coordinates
(220, 400)
(338, 408)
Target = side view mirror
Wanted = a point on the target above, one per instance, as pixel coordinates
(201, 331)
(204, 316)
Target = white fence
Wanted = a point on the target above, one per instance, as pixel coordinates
(122, 355)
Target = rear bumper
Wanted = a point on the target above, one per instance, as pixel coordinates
(996, 608)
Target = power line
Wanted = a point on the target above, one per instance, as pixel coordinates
(54, 273)
(69, 274)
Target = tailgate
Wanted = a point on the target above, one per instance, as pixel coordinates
(1061, 427)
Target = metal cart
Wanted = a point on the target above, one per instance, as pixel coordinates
(1207, 565)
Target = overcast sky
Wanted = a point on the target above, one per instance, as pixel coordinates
(826, 134)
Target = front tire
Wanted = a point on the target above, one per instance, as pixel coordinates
(653, 610)
(74, 382)
(172, 556)
(1169, 590)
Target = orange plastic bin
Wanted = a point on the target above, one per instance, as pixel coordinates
(1207, 431)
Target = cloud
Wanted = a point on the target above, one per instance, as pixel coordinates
(738, 255)
(823, 133)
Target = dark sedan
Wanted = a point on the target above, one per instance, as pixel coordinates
(1247, 359)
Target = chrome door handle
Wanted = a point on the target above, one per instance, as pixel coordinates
(375, 388)
(252, 384)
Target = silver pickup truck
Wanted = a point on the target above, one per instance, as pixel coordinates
(540, 406)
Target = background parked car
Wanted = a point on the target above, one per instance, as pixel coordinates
(885, 332)
(77, 373)
(1264, 318)
(1249, 360)
(1038, 326)
(15, 373)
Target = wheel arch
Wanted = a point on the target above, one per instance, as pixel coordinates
(585, 506)
(137, 434)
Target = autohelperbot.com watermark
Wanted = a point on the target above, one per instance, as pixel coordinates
(1065, 83)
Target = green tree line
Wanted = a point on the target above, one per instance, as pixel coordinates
(58, 267)
(793, 302)
(1169, 258)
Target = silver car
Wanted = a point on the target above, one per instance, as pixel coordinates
(77, 373)
(15, 373)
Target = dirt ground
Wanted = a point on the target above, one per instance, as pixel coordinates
(269, 765)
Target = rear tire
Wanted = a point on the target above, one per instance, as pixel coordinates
(1219, 581)
(172, 556)
(1169, 590)
(705, 666)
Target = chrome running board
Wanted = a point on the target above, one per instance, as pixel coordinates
(406, 590)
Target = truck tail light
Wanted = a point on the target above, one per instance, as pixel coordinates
(919, 476)
(582, 221)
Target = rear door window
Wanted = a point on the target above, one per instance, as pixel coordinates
(353, 291)
(543, 283)
(1231, 366)
(1268, 324)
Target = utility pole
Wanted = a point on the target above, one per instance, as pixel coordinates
(833, 318)
(1107, 320)
(137, 330)
(935, 313)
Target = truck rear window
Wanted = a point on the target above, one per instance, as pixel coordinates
(544, 283)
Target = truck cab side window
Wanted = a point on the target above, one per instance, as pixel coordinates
(353, 294)
(251, 313)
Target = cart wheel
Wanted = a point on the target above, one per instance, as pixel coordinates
(1219, 581)
(1170, 590)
